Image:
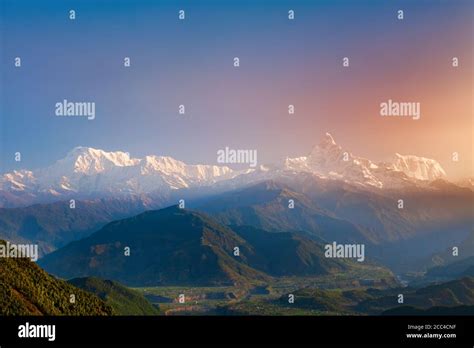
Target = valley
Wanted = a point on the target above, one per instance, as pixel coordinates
(346, 298)
(217, 300)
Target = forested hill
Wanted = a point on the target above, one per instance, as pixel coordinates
(26, 289)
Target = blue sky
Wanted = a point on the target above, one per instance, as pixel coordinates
(190, 62)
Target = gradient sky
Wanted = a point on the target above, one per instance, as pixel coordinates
(191, 62)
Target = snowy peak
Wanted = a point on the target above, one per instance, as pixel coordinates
(325, 156)
(419, 168)
(90, 171)
(170, 166)
(87, 160)
(327, 141)
(326, 147)
(14, 181)
(164, 164)
(328, 159)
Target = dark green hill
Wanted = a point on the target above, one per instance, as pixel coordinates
(453, 293)
(174, 246)
(450, 298)
(169, 246)
(25, 289)
(286, 254)
(123, 300)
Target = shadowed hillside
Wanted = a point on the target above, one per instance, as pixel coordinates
(25, 289)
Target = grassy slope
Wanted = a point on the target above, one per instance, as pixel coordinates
(123, 300)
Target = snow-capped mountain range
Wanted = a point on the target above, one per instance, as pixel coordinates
(328, 159)
(95, 173)
(86, 169)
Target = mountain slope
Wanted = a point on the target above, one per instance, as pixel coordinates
(456, 297)
(287, 254)
(168, 246)
(337, 211)
(265, 206)
(444, 258)
(54, 225)
(419, 168)
(26, 289)
(175, 246)
(453, 293)
(462, 268)
(124, 301)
